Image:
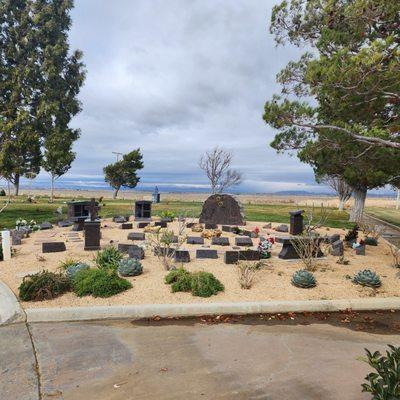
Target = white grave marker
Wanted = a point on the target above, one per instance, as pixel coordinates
(6, 245)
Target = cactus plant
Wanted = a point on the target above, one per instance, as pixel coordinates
(303, 279)
(367, 278)
(73, 269)
(130, 267)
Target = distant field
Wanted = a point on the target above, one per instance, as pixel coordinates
(386, 214)
(43, 211)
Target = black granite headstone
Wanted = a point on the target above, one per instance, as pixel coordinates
(126, 225)
(296, 222)
(231, 257)
(243, 241)
(221, 209)
(182, 256)
(136, 236)
(220, 241)
(142, 209)
(53, 247)
(206, 253)
(249, 255)
(194, 240)
(92, 235)
(141, 225)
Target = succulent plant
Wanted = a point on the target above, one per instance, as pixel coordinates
(371, 241)
(303, 279)
(73, 269)
(367, 278)
(130, 267)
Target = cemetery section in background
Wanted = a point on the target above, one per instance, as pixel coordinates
(42, 210)
(273, 282)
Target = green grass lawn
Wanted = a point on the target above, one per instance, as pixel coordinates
(43, 211)
(386, 214)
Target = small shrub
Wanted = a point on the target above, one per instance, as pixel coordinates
(130, 267)
(180, 280)
(73, 269)
(99, 283)
(367, 278)
(246, 274)
(167, 214)
(44, 285)
(304, 279)
(371, 241)
(384, 384)
(2, 193)
(205, 284)
(352, 234)
(64, 265)
(108, 258)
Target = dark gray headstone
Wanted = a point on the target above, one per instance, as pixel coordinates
(142, 225)
(182, 256)
(296, 222)
(45, 225)
(220, 241)
(190, 224)
(194, 240)
(334, 238)
(161, 224)
(249, 255)
(160, 251)
(119, 219)
(92, 235)
(136, 252)
(243, 241)
(206, 253)
(360, 250)
(210, 226)
(16, 237)
(231, 257)
(221, 209)
(288, 251)
(136, 236)
(337, 248)
(228, 228)
(126, 225)
(282, 228)
(64, 224)
(53, 247)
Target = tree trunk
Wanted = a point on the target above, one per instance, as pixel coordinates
(359, 202)
(115, 193)
(16, 185)
(52, 189)
(341, 203)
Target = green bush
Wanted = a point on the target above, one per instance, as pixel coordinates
(180, 280)
(44, 285)
(205, 284)
(108, 258)
(68, 262)
(167, 214)
(73, 269)
(2, 193)
(99, 283)
(384, 384)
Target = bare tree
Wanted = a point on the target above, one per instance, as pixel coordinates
(342, 189)
(216, 165)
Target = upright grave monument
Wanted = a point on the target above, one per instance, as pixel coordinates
(77, 213)
(222, 209)
(296, 222)
(142, 210)
(92, 227)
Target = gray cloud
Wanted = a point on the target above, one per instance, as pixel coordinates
(176, 78)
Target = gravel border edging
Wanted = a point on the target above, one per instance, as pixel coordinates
(10, 309)
(199, 309)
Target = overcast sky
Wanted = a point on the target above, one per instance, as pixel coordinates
(177, 78)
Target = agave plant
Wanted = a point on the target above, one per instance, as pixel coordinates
(73, 269)
(367, 278)
(130, 267)
(304, 279)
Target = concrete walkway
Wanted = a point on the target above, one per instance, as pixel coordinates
(309, 357)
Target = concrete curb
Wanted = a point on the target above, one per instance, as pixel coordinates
(10, 310)
(195, 310)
